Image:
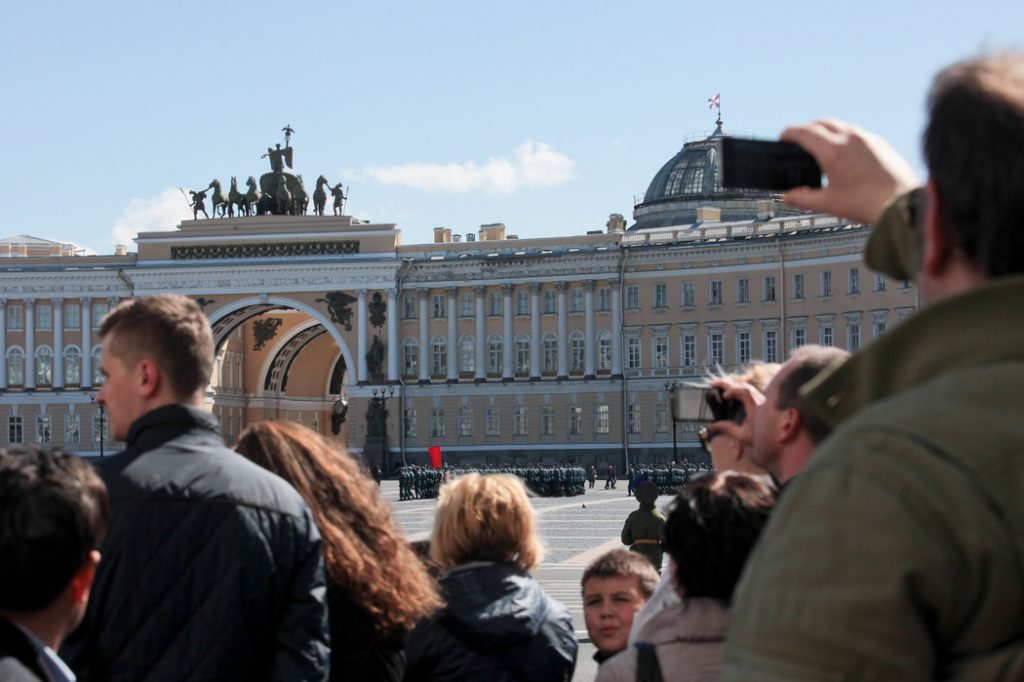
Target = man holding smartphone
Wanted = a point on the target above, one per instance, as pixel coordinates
(898, 553)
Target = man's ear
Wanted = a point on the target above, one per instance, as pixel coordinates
(937, 243)
(149, 378)
(81, 581)
(788, 425)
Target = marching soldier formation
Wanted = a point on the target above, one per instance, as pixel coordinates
(547, 480)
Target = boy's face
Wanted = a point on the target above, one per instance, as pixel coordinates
(608, 608)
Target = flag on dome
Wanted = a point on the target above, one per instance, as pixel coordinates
(713, 102)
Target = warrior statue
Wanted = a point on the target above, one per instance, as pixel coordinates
(197, 204)
(339, 199)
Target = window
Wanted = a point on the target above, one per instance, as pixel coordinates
(771, 345)
(547, 420)
(853, 281)
(438, 308)
(97, 369)
(438, 356)
(523, 353)
(904, 284)
(493, 425)
(632, 298)
(44, 317)
(467, 354)
(576, 300)
(410, 358)
(743, 290)
(15, 428)
(576, 351)
(522, 303)
(769, 289)
(602, 419)
(44, 429)
(72, 429)
(660, 417)
(853, 336)
(661, 359)
(99, 311)
(660, 296)
(799, 337)
(798, 286)
(494, 304)
(879, 327)
(72, 316)
(408, 307)
(437, 422)
(825, 335)
(604, 299)
(465, 421)
(550, 301)
(15, 318)
(689, 294)
(495, 354)
(604, 350)
(716, 348)
(716, 292)
(550, 352)
(689, 350)
(633, 356)
(16, 367)
(100, 428)
(633, 418)
(519, 425)
(575, 420)
(743, 347)
(410, 423)
(826, 283)
(44, 366)
(467, 303)
(879, 282)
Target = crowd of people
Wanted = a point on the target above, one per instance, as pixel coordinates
(546, 480)
(864, 522)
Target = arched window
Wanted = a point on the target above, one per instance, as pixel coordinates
(576, 347)
(523, 353)
(550, 352)
(97, 371)
(495, 354)
(72, 366)
(467, 354)
(15, 367)
(439, 356)
(410, 357)
(44, 366)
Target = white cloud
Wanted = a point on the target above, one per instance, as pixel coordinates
(162, 212)
(534, 164)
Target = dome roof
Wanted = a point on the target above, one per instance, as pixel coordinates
(692, 172)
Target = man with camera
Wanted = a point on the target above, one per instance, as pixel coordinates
(898, 553)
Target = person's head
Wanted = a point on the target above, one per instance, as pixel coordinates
(976, 185)
(157, 350)
(712, 528)
(615, 586)
(785, 431)
(54, 512)
(485, 518)
(728, 453)
(363, 551)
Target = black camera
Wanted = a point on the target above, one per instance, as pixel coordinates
(723, 408)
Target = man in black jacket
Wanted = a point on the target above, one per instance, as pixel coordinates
(212, 566)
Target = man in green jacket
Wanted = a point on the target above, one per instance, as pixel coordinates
(642, 530)
(898, 553)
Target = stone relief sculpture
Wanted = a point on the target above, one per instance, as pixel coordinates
(265, 330)
(377, 309)
(339, 307)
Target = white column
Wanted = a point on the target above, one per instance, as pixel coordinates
(588, 337)
(424, 341)
(508, 370)
(453, 336)
(535, 345)
(30, 343)
(563, 332)
(86, 319)
(392, 336)
(3, 343)
(58, 342)
(361, 373)
(481, 332)
(616, 329)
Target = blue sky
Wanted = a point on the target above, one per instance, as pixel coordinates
(544, 116)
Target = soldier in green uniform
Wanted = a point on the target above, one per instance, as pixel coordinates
(642, 531)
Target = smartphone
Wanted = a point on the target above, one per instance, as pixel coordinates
(764, 164)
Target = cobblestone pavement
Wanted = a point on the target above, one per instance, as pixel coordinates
(575, 531)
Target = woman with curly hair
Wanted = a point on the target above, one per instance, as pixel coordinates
(376, 587)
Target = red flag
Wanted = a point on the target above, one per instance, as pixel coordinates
(713, 102)
(435, 456)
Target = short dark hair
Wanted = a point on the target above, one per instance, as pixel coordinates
(712, 528)
(622, 563)
(54, 512)
(172, 330)
(972, 147)
(808, 362)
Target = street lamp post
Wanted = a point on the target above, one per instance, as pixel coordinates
(673, 387)
(103, 421)
(384, 394)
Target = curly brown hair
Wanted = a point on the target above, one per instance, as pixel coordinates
(363, 551)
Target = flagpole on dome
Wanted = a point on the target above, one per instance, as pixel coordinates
(716, 103)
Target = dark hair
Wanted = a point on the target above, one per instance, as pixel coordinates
(54, 509)
(712, 528)
(808, 362)
(364, 553)
(622, 563)
(973, 150)
(172, 330)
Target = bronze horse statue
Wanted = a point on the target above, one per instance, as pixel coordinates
(236, 198)
(218, 198)
(252, 196)
(320, 196)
